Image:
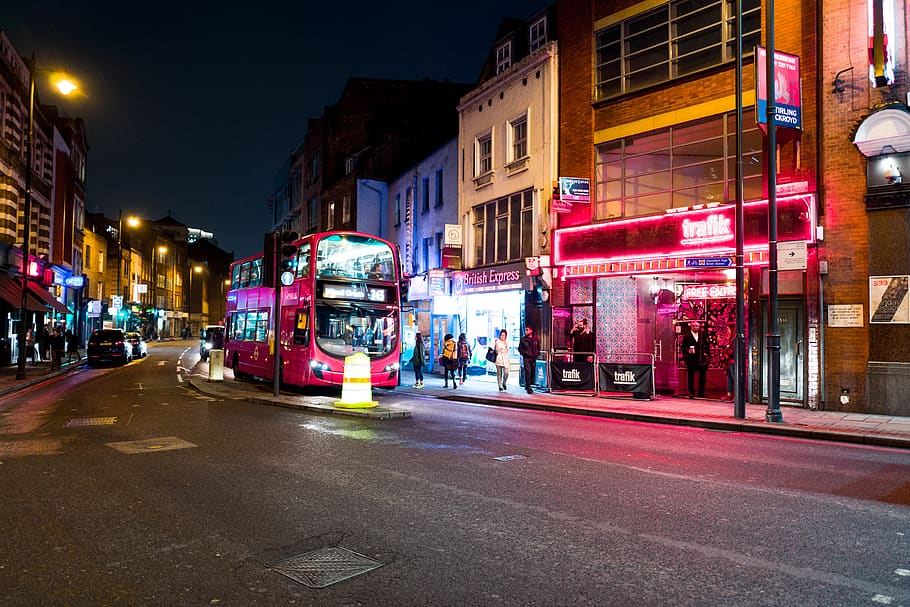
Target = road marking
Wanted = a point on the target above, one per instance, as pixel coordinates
(161, 363)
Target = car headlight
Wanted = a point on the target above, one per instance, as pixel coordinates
(319, 366)
(392, 367)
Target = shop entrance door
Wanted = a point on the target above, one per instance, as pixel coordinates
(666, 377)
(790, 315)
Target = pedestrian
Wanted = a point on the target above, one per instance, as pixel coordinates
(582, 338)
(449, 360)
(43, 343)
(72, 345)
(529, 348)
(419, 359)
(696, 352)
(501, 348)
(58, 347)
(464, 357)
(30, 351)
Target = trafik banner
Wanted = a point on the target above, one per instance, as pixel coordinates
(568, 375)
(618, 377)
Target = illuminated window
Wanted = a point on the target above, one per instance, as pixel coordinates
(330, 220)
(504, 229)
(397, 209)
(672, 40)
(345, 208)
(680, 166)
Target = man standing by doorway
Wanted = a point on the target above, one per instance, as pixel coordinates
(696, 352)
(529, 348)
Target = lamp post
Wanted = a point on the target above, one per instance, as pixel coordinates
(132, 222)
(65, 87)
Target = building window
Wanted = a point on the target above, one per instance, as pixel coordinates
(330, 220)
(345, 208)
(425, 253)
(397, 209)
(439, 188)
(483, 154)
(680, 166)
(503, 57)
(504, 229)
(312, 213)
(349, 164)
(518, 132)
(312, 171)
(439, 246)
(672, 40)
(88, 257)
(537, 34)
(425, 194)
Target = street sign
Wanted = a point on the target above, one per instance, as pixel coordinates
(116, 301)
(709, 262)
(791, 255)
(574, 189)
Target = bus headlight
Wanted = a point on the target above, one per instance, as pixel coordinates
(318, 366)
(392, 367)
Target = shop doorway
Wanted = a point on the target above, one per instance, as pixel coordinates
(790, 318)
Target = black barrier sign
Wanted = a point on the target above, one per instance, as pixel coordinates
(616, 377)
(566, 375)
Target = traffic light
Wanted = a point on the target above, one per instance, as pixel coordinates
(269, 247)
(287, 262)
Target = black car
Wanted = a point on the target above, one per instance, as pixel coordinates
(109, 345)
(212, 338)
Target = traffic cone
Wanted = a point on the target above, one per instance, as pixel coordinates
(356, 388)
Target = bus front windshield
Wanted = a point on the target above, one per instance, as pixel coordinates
(354, 256)
(342, 329)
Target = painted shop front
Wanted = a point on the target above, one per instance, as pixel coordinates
(641, 282)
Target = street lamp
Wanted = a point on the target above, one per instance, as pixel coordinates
(65, 86)
(132, 222)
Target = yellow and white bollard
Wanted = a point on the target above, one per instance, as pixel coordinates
(356, 388)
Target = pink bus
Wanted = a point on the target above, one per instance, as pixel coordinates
(342, 297)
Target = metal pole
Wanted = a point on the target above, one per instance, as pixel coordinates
(119, 259)
(773, 413)
(276, 316)
(739, 375)
(23, 309)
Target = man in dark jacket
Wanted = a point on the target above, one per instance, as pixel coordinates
(529, 348)
(696, 351)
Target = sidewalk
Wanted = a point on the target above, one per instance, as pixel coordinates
(881, 430)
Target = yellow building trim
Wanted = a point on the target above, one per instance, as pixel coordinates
(680, 116)
(641, 7)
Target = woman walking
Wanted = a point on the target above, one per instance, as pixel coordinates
(501, 347)
(419, 359)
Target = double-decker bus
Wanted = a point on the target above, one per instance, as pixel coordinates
(343, 298)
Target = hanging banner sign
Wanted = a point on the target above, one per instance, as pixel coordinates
(575, 376)
(787, 89)
(618, 377)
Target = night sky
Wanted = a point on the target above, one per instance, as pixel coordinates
(193, 109)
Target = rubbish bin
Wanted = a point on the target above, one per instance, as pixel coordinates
(216, 365)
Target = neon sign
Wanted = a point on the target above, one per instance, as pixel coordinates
(714, 228)
(708, 291)
(706, 232)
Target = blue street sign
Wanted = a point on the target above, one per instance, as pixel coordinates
(709, 262)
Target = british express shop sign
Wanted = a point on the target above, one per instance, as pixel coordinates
(664, 242)
(506, 277)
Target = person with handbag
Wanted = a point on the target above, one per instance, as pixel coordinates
(696, 352)
(501, 348)
(449, 360)
(419, 359)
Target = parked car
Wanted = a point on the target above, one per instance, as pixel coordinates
(108, 345)
(140, 347)
(212, 337)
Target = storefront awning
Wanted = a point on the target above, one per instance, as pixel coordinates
(11, 294)
(45, 300)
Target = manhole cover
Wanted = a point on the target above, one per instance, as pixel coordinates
(325, 566)
(162, 443)
(82, 422)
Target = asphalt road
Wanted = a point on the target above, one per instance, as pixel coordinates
(217, 496)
